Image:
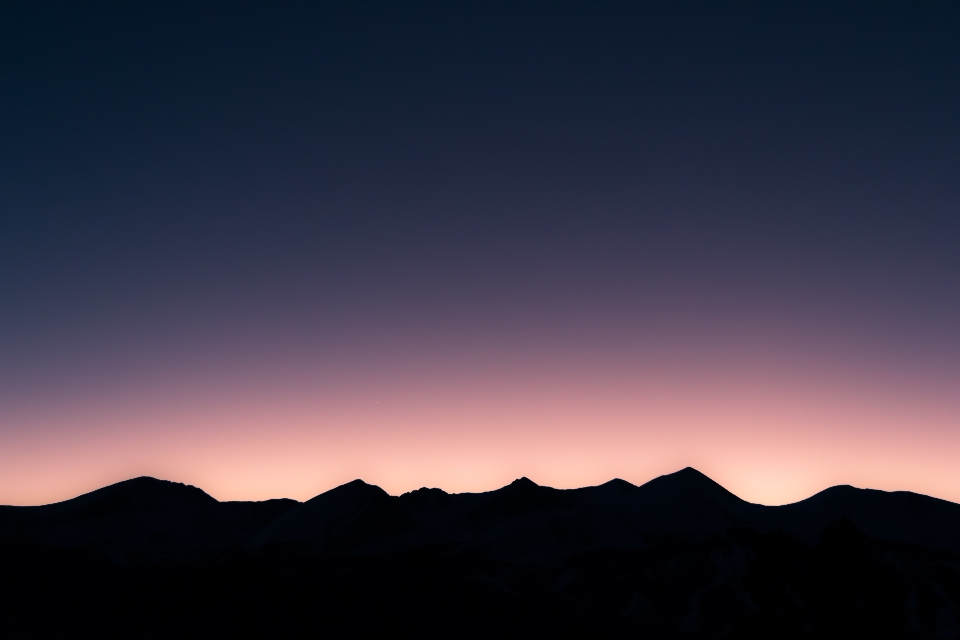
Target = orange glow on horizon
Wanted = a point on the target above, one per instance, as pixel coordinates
(769, 432)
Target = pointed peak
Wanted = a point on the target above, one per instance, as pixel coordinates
(691, 482)
(523, 483)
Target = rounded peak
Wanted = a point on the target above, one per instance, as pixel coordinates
(839, 492)
(155, 483)
(136, 495)
(155, 486)
(844, 488)
(353, 488)
(523, 483)
(689, 472)
(618, 484)
(356, 483)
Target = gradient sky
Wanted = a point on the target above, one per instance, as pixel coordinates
(267, 248)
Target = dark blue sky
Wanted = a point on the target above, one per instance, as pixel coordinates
(176, 150)
(190, 181)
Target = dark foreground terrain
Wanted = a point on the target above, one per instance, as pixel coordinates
(679, 557)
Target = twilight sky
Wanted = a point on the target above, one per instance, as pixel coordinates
(267, 248)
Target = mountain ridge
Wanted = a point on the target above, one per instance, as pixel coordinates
(145, 518)
(679, 556)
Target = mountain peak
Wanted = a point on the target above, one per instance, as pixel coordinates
(358, 483)
(618, 485)
(355, 489)
(688, 483)
(135, 495)
(425, 497)
(689, 475)
(148, 485)
(690, 472)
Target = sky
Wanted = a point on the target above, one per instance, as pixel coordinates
(268, 248)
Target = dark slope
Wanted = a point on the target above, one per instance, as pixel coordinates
(355, 516)
(897, 516)
(143, 494)
(688, 502)
(694, 491)
(139, 495)
(521, 497)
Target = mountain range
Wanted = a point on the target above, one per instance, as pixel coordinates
(679, 556)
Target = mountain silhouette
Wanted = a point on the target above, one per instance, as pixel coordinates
(679, 556)
(352, 515)
(143, 519)
(898, 515)
(361, 518)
